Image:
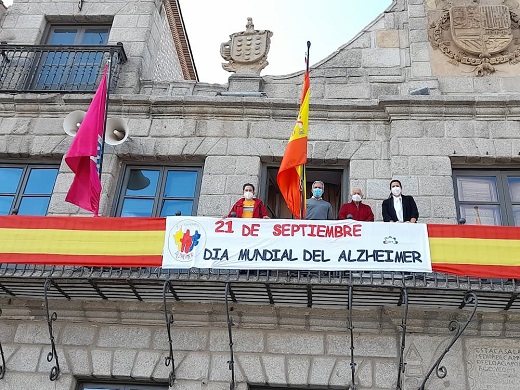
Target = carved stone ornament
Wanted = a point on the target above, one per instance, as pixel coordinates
(246, 51)
(478, 35)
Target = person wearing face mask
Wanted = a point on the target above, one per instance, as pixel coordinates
(399, 207)
(317, 207)
(248, 206)
(356, 209)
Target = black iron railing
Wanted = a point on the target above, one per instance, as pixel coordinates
(272, 287)
(57, 68)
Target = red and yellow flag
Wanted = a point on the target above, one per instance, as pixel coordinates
(291, 173)
(464, 250)
(79, 241)
(475, 250)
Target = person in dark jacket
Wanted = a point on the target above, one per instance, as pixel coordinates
(248, 206)
(399, 207)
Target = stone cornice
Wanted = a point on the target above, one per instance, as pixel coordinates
(221, 107)
(464, 107)
(388, 108)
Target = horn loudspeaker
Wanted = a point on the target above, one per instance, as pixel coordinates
(72, 121)
(116, 132)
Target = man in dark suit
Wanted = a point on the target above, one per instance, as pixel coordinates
(399, 207)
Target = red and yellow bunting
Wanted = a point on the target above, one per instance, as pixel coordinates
(117, 242)
(475, 250)
(468, 250)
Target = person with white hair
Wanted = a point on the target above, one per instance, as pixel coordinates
(317, 207)
(356, 209)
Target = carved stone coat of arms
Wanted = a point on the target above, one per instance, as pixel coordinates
(246, 51)
(479, 35)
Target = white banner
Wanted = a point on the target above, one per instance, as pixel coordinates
(288, 244)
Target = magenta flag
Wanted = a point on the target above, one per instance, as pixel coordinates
(84, 154)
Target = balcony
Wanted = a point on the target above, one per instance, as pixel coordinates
(49, 68)
(318, 289)
(121, 259)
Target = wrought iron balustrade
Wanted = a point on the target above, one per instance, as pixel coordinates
(57, 68)
(325, 289)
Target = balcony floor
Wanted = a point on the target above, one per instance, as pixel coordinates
(267, 287)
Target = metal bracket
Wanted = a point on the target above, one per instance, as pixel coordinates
(352, 385)
(6, 59)
(80, 4)
(168, 360)
(454, 326)
(231, 362)
(402, 365)
(2, 366)
(55, 371)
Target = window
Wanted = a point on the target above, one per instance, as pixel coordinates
(488, 197)
(333, 179)
(112, 386)
(26, 189)
(159, 191)
(71, 69)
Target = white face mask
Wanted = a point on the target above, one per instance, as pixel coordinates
(396, 191)
(356, 198)
(248, 195)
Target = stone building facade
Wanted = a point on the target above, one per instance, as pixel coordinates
(418, 95)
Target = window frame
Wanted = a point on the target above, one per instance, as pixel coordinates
(41, 59)
(158, 197)
(313, 173)
(19, 195)
(82, 28)
(119, 385)
(504, 197)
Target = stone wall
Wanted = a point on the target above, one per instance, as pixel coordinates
(418, 141)
(164, 62)
(276, 346)
(363, 120)
(140, 24)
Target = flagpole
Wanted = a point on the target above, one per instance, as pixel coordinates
(291, 174)
(109, 80)
(303, 175)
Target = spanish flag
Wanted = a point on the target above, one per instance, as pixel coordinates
(292, 169)
(475, 250)
(80, 241)
(465, 250)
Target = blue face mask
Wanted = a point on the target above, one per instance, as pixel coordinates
(317, 192)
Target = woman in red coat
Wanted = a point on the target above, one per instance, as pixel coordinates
(248, 206)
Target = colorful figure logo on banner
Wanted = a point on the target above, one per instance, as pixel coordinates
(188, 238)
(185, 241)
